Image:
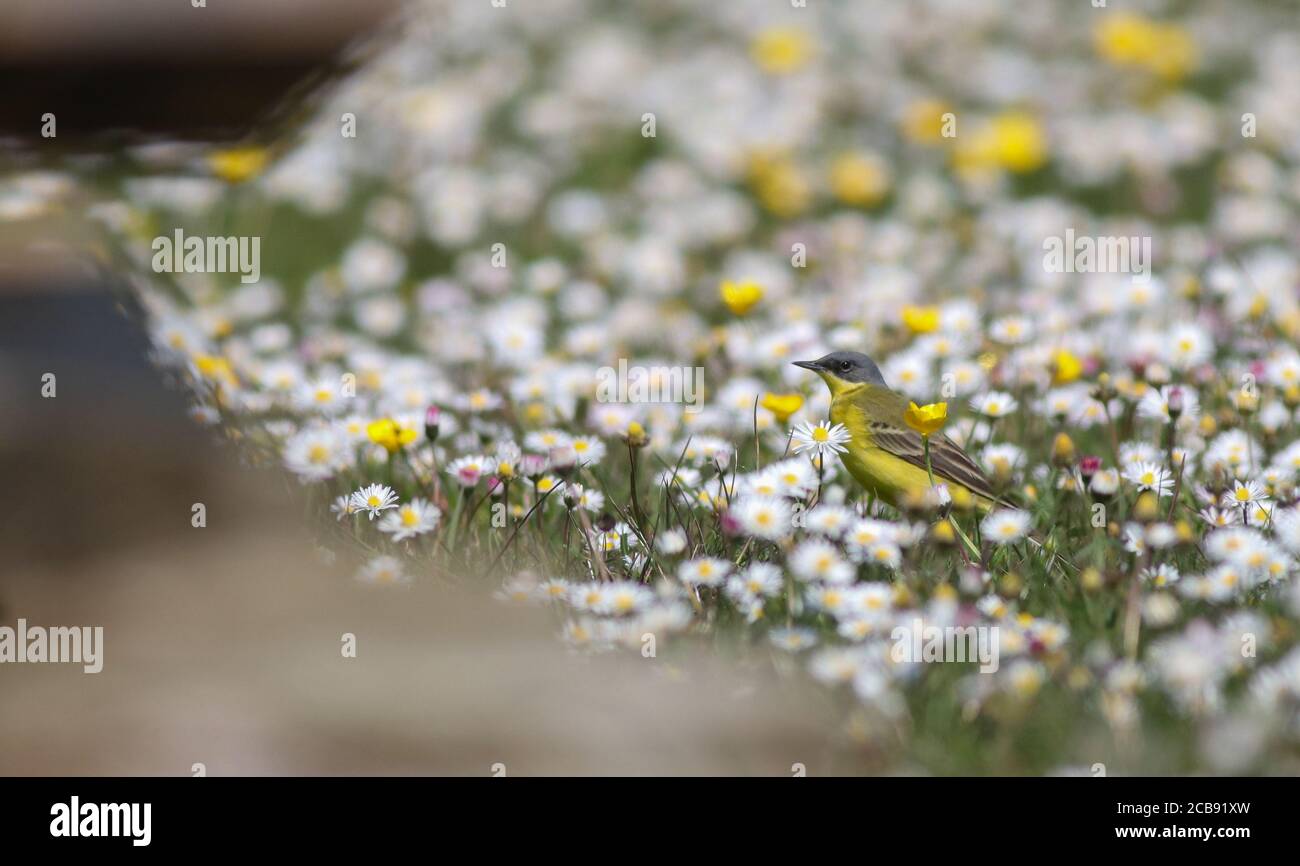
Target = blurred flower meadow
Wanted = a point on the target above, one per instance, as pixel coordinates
(533, 192)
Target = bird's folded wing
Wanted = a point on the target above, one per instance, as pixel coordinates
(947, 460)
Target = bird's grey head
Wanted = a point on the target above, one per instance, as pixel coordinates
(848, 366)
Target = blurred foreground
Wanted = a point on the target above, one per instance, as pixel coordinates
(222, 644)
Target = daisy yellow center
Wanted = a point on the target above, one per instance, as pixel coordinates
(373, 501)
(318, 454)
(819, 434)
(410, 517)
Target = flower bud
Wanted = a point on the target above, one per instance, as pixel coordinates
(1147, 508)
(432, 418)
(563, 461)
(961, 499)
(1062, 450)
(1010, 585)
(572, 495)
(533, 466)
(1104, 390)
(1177, 403)
(1247, 401)
(942, 534)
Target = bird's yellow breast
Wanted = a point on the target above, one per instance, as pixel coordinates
(888, 477)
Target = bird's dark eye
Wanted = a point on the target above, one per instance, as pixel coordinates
(844, 365)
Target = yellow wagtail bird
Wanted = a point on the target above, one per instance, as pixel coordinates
(884, 454)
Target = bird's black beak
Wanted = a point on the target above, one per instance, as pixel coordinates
(807, 365)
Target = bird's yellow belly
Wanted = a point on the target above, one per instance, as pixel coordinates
(883, 474)
(886, 476)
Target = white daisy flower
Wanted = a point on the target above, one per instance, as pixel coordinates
(315, 454)
(828, 520)
(467, 471)
(1005, 525)
(705, 571)
(822, 439)
(374, 499)
(1243, 494)
(383, 570)
(793, 639)
(1149, 476)
(763, 516)
(414, 518)
(820, 560)
(761, 579)
(995, 404)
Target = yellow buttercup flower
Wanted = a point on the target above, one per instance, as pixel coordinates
(1021, 145)
(921, 320)
(1130, 40)
(781, 405)
(1013, 141)
(923, 122)
(779, 185)
(1065, 367)
(740, 297)
(390, 434)
(238, 164)
(926, 420)
(215, 368)
(636, 435)
(781, 50)
(859, 179)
